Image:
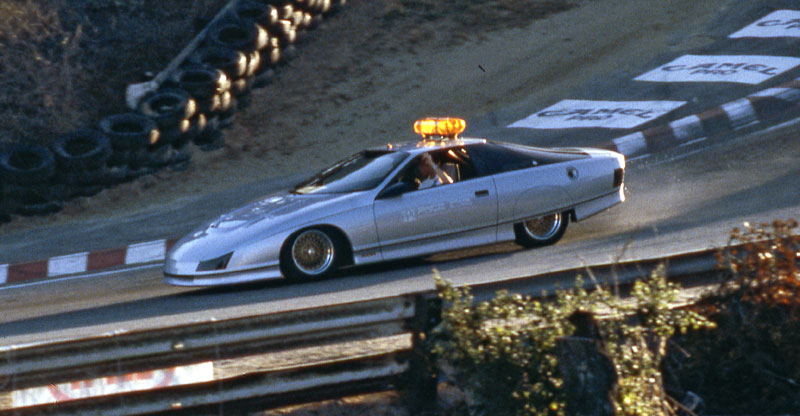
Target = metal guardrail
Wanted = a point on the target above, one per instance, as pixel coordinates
(119, 354)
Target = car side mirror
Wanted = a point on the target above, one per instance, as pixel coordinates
(395, 189)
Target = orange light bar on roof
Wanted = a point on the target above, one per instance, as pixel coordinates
(440, 126)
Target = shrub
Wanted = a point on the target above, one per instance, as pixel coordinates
(752, 363)
(504, 351)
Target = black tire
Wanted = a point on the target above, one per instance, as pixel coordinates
(210, 105)
(168, 107)
(197, 126)
(541, 231)
(181, 157)
(241, 35)
(30, 200)
(81, 178)
(227, 110)
(116, 175)
(254, 63)
(289, 37)
(308, 19)
(132, 159)
(83, 149)
(327, 6)
(210, 139)
(202, 81)
(242, 86)
(263, 14)
(270, 57)
(32, 209)
(177, 134)
(129, 131)
(4, 209)
(158, 157)
(26, 164)
(230, 61)
(138, 172)
(312, 254)
(285, 10)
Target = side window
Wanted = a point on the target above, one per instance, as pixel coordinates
(438, 168)
(456, 162)
(496, 159)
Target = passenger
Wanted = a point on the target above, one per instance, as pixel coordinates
(429, 174)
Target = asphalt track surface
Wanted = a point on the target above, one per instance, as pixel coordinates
(680, 200)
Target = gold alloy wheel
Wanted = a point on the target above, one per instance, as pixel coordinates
(312, 252)
(543, 228)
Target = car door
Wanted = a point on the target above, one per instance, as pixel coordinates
(534, 191)
(444, 217)
(527, 185)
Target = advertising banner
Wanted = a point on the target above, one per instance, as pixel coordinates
(745, 69)
(604, 114)
(778, 24)
(55, 393)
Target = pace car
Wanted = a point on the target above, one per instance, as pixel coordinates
(440, 193)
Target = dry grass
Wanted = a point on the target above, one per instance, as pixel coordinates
(65, 63)
(39, 72)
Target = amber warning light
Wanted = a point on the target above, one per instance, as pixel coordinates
(440, 127)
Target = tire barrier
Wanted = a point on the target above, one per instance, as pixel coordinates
(27, 171)
(199, 94)
(81, 158)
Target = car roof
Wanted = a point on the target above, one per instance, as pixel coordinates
(428, 145)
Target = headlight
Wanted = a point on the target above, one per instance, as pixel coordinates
(218, 263)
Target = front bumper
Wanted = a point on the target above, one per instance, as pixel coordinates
(217, 279)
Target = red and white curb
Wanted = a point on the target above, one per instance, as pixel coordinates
(134, 254)
(752, 110)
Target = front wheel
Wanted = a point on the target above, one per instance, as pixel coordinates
(541, 231)
(312, 254)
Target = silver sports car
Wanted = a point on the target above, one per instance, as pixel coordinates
(402, 200)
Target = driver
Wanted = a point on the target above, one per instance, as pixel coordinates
(428, 174)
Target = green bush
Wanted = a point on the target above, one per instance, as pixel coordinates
(503, 352)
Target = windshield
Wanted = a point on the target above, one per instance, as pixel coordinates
(362, 171)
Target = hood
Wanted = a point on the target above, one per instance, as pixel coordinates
(276, 212)
(258, 220)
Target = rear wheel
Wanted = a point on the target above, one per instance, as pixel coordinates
(541, 231)
(311, 254)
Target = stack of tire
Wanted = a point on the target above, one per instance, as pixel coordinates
(26, 173)
(80, 161)
(240, 52)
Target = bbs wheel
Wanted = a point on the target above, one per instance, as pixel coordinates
(541, 231)
(311, 254)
